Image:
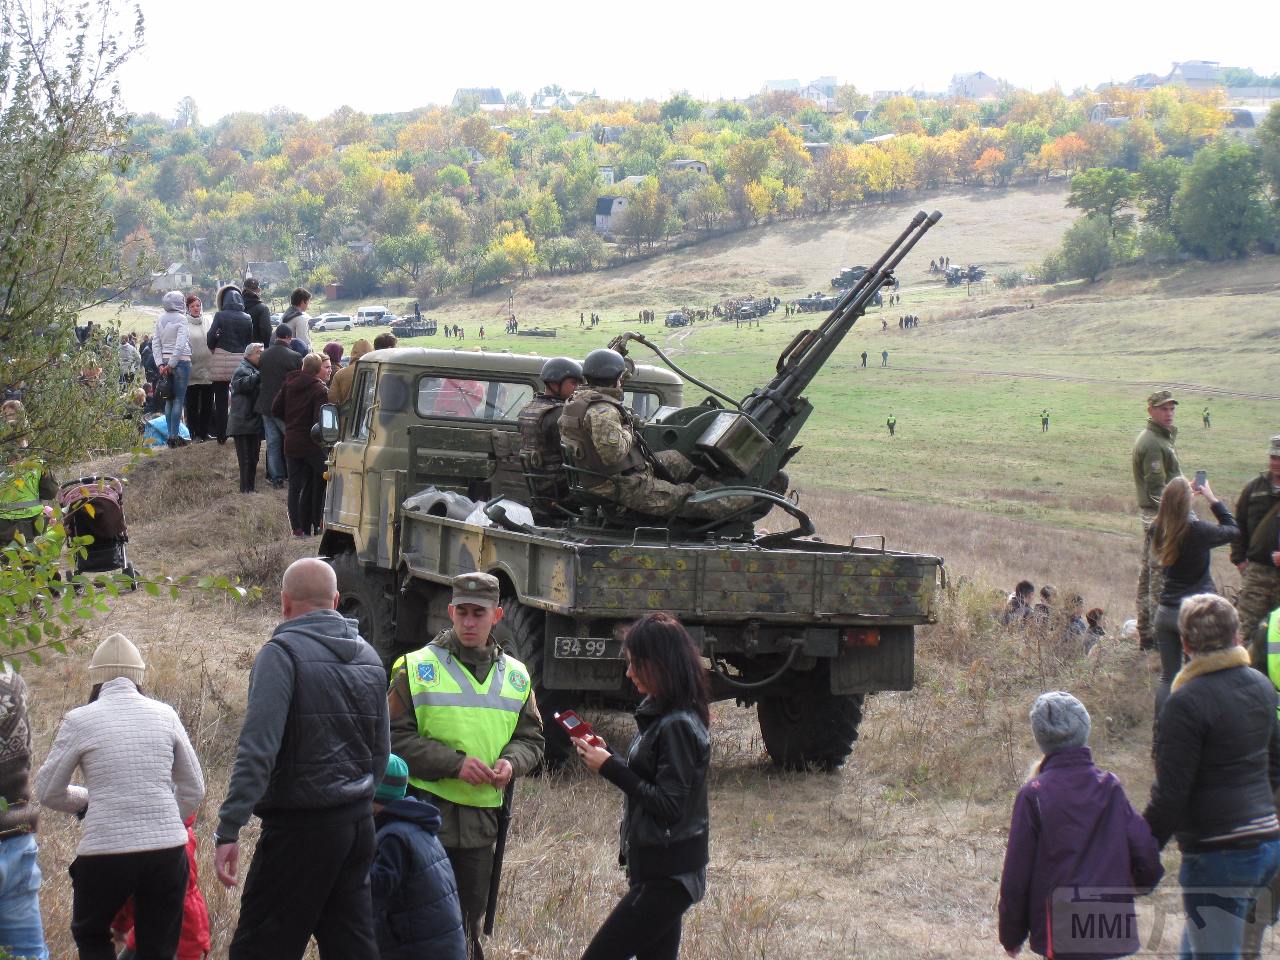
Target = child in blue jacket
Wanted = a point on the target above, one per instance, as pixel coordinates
(416, 910)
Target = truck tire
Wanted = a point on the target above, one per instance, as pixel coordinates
(365, 596)
(528, 627)
(810, 727)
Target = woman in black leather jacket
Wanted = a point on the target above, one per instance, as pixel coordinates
(664, 776)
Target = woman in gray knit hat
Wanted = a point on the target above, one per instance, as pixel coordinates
(141, 780)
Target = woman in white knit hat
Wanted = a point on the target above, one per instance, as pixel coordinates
(141, 781)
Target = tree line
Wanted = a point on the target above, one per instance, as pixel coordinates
(440, 199)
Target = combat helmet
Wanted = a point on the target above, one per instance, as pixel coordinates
(604, 366)
(558, 368)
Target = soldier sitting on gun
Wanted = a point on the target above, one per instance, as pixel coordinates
(601, 437)
(541, 456)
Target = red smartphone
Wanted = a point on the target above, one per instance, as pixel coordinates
(576, 727)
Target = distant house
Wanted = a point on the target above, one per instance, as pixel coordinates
(175, 277)
(1145, 81)
(975, 86)
(606, 175)
(486, 98)
(334, 291)
(1102, 113)
(679, 166)
(860, 116)
(883, 138)
(544, 102)
(268, 272)
(606, 209)
(1244, 123)
(609, 134)
(1196, 74)
(360, 246)
(817, 151)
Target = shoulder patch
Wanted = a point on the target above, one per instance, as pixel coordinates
(427, 674)
(518, 680)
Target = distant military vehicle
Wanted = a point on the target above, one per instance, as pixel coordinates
(847, 277)
(424, 479)
(419, 326)
(958, 275)
(676, 318)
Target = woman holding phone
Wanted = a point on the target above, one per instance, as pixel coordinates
(665, 823)
(1181, 543)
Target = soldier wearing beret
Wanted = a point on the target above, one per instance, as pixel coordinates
(1155, 463)
(464, 719)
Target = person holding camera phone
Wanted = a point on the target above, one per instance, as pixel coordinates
(665, 820)
(1182, 545)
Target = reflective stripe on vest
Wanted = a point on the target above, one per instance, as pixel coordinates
(20, 494)
(1273, 650)
(454, 708)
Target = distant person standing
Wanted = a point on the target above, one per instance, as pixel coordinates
(1205, 416)
(1044, 420)
(298, 319)
(278, 361)
(258, 311)
(884, 358)
(1155, 463)
(892, 424)
(1257, 551)
(864, 358)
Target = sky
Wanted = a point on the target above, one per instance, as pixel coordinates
(387, 56)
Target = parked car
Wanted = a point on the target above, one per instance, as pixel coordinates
(276, 318)
(371, 315)
(330, 322)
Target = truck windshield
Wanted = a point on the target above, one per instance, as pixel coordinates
(471, 399)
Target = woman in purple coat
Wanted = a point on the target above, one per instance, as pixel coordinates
(1078, 852)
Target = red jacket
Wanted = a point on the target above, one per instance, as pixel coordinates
(194, 943)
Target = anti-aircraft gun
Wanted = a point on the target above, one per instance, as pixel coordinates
(801, 628)
(745, 445)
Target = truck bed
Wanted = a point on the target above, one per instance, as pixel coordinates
(807, 583)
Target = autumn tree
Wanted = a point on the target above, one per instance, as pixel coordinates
(1104, 192)
(1219, 211)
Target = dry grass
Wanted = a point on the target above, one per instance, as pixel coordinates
(897, 855)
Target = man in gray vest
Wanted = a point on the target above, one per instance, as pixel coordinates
(312, 750)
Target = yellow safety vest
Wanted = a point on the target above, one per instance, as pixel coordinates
(20, 493)
(455, 709)
(1273, 650)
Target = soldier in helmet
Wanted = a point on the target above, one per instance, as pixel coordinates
(540, 454)
(601, 436)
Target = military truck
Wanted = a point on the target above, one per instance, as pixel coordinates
(425, 483)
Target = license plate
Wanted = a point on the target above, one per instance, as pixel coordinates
(588, 648)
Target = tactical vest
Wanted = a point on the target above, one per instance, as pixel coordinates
(575, 434)
(20, 494)
(455, 709)
(541, 456)
(1273, 650)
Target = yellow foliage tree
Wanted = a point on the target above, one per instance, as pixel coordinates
(519, 250)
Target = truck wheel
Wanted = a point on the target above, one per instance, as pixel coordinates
(811, 727)
(366, 598)
(528, 639)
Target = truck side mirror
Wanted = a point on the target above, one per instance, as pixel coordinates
(329, 423)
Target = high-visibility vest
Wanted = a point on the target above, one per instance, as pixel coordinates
(20, 493)
(1273, 650)
(454, 708)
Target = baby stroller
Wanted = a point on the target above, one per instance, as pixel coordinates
(94, 507)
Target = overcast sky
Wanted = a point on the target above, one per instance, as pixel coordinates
(392, 55)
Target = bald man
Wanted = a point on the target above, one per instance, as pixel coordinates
(312, 750)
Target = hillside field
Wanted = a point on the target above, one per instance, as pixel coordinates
(899, 854)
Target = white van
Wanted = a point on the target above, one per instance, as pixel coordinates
(370, 316)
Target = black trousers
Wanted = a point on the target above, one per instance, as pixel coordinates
(645, 924)
(308, 881)
(221, 404)
(157, 881)
(199, 407)
(248, 446)
(306, 492)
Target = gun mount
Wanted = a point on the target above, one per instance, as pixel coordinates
(749, 441)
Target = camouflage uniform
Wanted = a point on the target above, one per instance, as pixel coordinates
(542, 460)
(600, 434)
(1155, 463)
(1259, 538)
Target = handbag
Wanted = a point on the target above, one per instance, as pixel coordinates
(164, 386)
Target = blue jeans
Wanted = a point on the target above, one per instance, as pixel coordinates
(277, 470)
(1218, 892)
(173, 408)
(21, 932)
